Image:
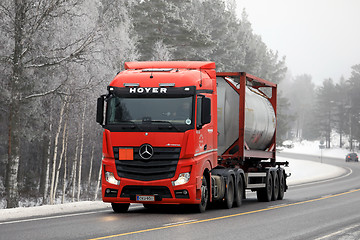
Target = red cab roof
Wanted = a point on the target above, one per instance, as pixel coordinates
(171, 64)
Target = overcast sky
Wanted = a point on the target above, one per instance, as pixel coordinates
(318, 37)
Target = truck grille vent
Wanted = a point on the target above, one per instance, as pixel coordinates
(161, 165)
(161, 191)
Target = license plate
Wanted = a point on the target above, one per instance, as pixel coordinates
(145, 198)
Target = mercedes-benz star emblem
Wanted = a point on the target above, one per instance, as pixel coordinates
(146, 151)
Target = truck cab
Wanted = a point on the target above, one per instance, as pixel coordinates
(160, 133)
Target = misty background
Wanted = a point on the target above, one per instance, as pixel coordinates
(58, 56)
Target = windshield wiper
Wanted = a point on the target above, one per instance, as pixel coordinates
(133, 126)
(168, 122)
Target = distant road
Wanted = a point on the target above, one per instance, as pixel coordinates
(320, 210)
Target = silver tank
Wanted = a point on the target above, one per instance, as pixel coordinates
(260, 121)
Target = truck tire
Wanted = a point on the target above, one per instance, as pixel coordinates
(238, 193)
(120, 207)
(201, 207)
(275, 193)
(281, 185)
(265, 194)
(229, 195)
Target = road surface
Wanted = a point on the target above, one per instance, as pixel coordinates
(327, 209)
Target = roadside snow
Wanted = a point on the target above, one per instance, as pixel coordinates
(303, 171)
(312, 148)
(46, 210)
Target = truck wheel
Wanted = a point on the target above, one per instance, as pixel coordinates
(281, 185)
(238, 193)
(229, 195)
(275, 193)
(201, 207)
(120, 207)
(265, 194)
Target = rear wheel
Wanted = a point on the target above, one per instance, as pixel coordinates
(275, 192)
(229, 195)
(281, 185)
(265, 194)
(239, 193)
(120, 207)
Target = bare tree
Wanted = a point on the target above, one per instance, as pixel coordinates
(63, 149)
(52, 186)
(65, 170)
(90, 170)
(81, 152)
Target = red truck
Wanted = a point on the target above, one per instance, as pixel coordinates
(181, 133)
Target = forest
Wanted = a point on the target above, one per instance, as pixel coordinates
(58, 56)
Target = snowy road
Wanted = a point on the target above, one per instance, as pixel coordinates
(319, 210)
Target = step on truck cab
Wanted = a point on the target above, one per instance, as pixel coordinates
(182, 133)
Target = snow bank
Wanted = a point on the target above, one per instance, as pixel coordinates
(312, 148)
(303, 171)
(47, 210)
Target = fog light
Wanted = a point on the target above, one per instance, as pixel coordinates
(182, 179)
(109, 177)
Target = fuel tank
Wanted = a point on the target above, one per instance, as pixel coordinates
(260, 120)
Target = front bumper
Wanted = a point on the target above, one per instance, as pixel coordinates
(163, 191)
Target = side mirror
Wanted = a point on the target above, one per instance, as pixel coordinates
(206, 111)
(100, 110)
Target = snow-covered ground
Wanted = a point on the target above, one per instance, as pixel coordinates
(301, 172)
(312, 148)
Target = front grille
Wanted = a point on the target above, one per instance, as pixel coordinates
(161, 165)
(130, 191)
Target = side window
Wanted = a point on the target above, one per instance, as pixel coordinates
(203, 111)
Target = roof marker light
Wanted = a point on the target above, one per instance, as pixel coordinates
(166, 84)
(131, 84)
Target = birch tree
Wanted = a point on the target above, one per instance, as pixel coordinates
(63, 149)
(54, 162)
(81, 153)
(90, 170)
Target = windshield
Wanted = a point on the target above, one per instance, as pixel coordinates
(143, 112)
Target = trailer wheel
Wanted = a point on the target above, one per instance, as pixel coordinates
(275, 193)
(265, 194)
(120, 207)
(229, 195)
(281, 185)
(239, 193)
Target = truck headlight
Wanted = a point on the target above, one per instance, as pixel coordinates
(110, 178)
(182, 179)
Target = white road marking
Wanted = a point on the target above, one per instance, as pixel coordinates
(338, 232)
(169, 224)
